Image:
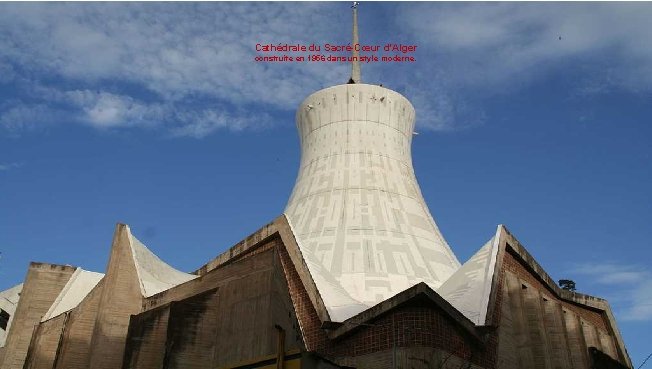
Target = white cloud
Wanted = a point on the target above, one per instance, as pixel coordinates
(201, 123)
(172, 49)
(170, 54)
(503, 45)
(150, 64)
(641, 308)
(20, 117)
(9, 166)
(629, 287)
(106, 110)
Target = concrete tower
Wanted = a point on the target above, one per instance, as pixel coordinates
(362, 225)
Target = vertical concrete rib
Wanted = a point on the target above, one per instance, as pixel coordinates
(521, 333)
(554, 330)
(577, 348)
(536, 330)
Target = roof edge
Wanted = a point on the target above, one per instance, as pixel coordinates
(279, 227)
(291, 244)
(394, 302)
(240, 248)
(524, 256)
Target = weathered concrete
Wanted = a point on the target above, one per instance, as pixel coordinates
(146, 339)
(576, 344)
(507, 340)
(254, 240)
(518, 329)
(42, 285)
(224, 319)
(574, 298)
(121, 297)
(192, 327)
(555, 333)
(238, 305)
(76, 342)
(541, 329)
(45, 343)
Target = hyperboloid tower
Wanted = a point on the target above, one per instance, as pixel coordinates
(360, 220)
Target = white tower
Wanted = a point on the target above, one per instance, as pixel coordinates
(357, 212)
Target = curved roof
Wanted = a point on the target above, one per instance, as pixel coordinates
(469, 287)
(80, 284)
(155, 275)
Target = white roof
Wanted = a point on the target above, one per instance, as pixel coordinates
(154, 274)
(8, 302)
(80, 284)
(469, 287)
(11, 295)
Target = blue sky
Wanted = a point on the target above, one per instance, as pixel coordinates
(157, 116)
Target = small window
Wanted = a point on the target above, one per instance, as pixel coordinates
(4, 319)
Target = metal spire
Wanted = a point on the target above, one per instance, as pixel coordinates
(355, 65)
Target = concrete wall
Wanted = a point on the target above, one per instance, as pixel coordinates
(252, 242)
(45, 343)
(539, 330)
(42, 285)
(146, 340)
(192, 329)
(226, 272)
(75, 346)
(230, 314)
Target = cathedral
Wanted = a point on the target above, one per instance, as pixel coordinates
(354, 273)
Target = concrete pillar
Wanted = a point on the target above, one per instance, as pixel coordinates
(121, 297)
(42, 285)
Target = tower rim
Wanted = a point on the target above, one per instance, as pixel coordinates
(354, 86)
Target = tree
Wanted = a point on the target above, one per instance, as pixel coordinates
(567, 284)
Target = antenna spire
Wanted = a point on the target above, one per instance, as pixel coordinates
(355, 64)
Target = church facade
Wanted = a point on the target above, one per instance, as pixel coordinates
(256, 306)
(354, 274)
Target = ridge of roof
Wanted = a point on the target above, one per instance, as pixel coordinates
(417, 292)
(468, 289)
(80, 284)
(154, 274)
